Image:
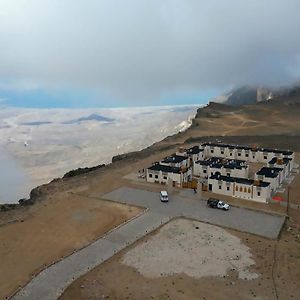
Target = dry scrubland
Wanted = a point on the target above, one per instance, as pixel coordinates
(51, 230)
(34, 236)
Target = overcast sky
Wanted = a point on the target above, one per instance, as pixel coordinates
(141, 51)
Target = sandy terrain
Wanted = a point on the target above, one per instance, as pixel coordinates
(37, 235)
(51, 230)
(183, 278)
(192, 248)
(259, 119)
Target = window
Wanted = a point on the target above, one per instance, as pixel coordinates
(245, 190)
(212, 151)
(247, 155)
(265, 156)
(230, 154)
(239, 154)
(228, 188)
(220, 187)
(156, 176)
(241, 189)
(253, 156)
(258, 193)
(237, 188)
(249, 190)
(222, 152)
(228, 174)
(204, 171)
(165, 177)
(212, 173)
(150, 175)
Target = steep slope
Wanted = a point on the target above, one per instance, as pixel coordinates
(278, 116)
(243, 95)
(252, 94)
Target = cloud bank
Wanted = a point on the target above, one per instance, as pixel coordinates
(140, 49)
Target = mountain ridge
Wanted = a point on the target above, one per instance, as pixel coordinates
(254, 94)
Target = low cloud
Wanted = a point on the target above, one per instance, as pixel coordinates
(145, 50)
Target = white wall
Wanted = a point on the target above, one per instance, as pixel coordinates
(265, 193)
(243, 154)
(186, 176)
(239, 190)
(216, 184)
(163, 177)
(183, 164)
(198, 170)
(275, 182)
(243, 191)
(241, 173)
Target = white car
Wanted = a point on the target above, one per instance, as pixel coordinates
(164, 196)
(215, 203)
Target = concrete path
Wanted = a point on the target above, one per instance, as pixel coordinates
(50, 283)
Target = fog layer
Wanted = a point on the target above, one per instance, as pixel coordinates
(145, 50)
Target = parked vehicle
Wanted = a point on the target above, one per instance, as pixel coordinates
(164, 196)
(214, 203)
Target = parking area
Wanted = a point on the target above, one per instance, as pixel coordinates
(51, 282)
(246, 220)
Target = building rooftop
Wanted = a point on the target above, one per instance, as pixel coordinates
(194, 150)
(218, 162)
(285, 161)
(166, 169)
(254, 149)
(174, 158)
(269, 172)
(239, 180)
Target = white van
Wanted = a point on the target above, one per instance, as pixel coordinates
(164, 196)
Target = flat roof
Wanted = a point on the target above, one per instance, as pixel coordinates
(219, 162)
(239, 180)
(194, 150)
(269, 172)
(245, 147)
(164, 168)
(174, 158)
(285, 160)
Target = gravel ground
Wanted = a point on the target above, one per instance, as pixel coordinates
(193, 248)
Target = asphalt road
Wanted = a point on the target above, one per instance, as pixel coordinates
(246, 220)
(50, 283)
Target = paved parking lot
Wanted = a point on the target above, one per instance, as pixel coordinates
(246, 220)
(50, 283)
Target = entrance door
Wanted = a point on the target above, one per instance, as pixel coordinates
(210, 187)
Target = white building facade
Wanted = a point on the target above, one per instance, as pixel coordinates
(163, 174)
(246, 153)
(225, 167)
(240, 188)
(175, 160)
(272, 175)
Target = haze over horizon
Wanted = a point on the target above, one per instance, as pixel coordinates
(108, 53)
